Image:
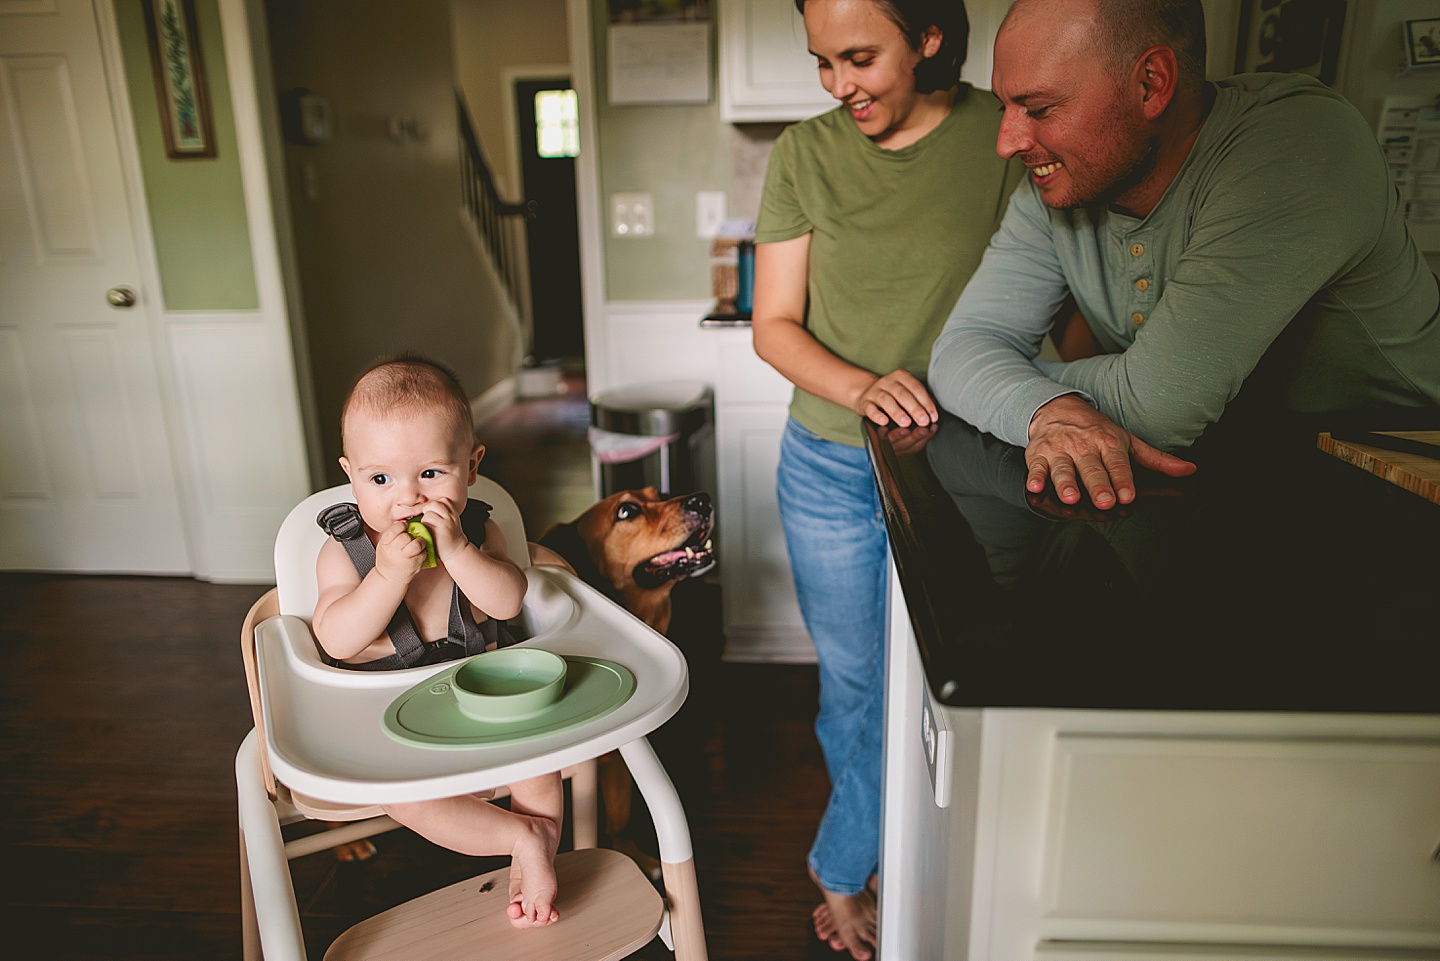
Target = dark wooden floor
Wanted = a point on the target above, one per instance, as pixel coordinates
(122, 701)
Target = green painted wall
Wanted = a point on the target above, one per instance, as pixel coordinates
(197, 206)
(670, 152)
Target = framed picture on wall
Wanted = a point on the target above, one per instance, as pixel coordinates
(1422, 43)
(179, 79)
(1296, 36)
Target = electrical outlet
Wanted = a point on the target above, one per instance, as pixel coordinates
(632, 215)
(709, 213)
(935, 741)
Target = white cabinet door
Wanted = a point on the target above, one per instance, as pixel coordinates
(762, 618)
(766, 72)
(1222, 829)
(641, 342)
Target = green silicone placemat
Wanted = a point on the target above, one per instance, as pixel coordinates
(428, 715)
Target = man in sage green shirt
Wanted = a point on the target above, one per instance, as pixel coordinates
(1215, 236)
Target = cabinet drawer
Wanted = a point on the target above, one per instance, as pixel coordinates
(746, 379)
(1057, 951)
(1215, 830)
(1245, 834)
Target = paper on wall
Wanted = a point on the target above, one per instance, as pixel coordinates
(659, 63)
(1409, 135)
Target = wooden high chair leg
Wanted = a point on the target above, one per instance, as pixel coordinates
(677, 857)
(584, 805)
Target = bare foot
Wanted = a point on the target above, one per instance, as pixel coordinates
(846, 922)
(361, 850)
(533, 887)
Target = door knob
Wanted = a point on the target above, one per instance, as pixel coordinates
(120, 297)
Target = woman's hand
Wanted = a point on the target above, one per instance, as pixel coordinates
(897, 398)
(905, 441)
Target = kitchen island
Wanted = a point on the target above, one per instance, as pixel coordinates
(1203, 726)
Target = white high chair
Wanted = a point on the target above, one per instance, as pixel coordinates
(319, 750)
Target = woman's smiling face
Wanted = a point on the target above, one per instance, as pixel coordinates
(867, 64)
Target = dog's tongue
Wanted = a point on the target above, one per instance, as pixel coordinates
(689, 561)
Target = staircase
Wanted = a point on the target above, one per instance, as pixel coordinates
(500, 226)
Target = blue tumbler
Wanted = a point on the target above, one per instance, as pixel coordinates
(745, 277)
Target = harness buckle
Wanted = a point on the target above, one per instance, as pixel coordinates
(341, 521)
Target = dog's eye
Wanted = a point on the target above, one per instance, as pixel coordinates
(626, 511)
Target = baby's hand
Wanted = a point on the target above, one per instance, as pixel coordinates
(398, 556)
(444, 523)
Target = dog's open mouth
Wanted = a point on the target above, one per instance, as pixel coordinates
(691, 559)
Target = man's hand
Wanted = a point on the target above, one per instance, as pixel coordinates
(898, 398)
(1072, 443)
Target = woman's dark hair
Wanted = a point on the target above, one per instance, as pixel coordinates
(942, 71)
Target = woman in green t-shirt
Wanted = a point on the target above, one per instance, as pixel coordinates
(873, 217)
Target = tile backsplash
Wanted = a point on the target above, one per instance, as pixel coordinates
(751, 144)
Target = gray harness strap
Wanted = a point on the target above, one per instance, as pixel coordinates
(464, 637)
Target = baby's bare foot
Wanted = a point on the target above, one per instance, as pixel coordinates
(533, 887)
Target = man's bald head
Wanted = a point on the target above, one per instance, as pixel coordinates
(1124, 29)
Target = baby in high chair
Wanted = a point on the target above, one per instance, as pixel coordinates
(410, 452)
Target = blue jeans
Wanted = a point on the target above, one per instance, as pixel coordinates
(835, 535)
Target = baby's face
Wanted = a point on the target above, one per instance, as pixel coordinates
(399, 462)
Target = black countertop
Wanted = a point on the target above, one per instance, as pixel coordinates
(1276, 578)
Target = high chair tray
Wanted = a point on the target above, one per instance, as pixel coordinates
(325, 731)
(428, 713)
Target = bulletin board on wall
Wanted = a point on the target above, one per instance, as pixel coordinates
(1293, 36)
(1398, 79)
(1409, 132)
(658, 52)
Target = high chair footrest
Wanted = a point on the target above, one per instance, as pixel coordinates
(607, 911)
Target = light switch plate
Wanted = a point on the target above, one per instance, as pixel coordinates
(632, 215)
(709, 213)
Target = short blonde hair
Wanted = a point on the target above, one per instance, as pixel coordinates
(409, 384)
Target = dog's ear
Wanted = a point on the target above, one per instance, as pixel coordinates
(565, 540)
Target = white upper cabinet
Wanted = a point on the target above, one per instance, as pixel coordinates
(766, 72)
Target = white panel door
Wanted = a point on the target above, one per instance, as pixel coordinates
(87, 481)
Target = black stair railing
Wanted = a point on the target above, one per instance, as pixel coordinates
(501, 225)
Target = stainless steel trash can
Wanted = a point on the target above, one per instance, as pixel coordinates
(656, 434)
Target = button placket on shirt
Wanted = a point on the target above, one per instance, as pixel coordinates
(1141, 276)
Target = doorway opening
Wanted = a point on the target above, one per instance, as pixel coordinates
(547, 128)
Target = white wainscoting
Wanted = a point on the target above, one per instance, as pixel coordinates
(237, 409)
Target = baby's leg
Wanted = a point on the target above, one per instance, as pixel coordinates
(533, 887)
(470, 825)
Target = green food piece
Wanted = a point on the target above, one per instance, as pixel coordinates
(420, 532)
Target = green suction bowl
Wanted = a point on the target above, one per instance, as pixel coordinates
(509, 684)
(429, 715)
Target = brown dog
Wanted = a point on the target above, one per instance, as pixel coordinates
(633, 546)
